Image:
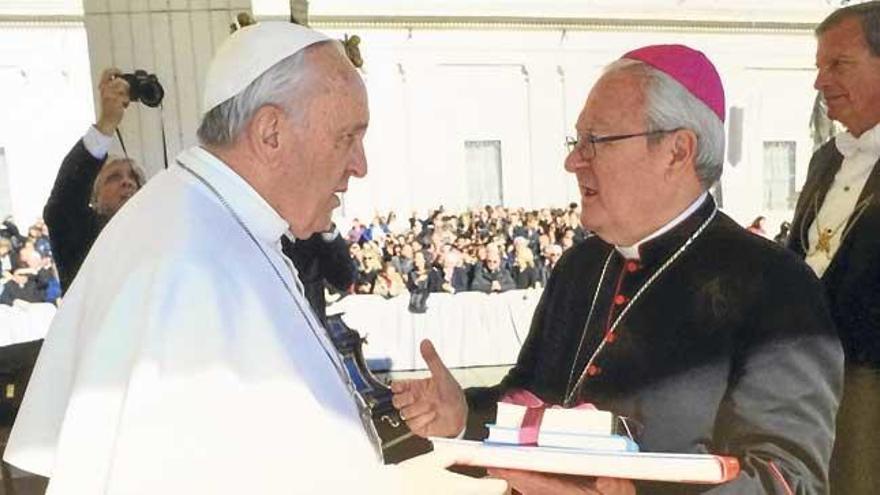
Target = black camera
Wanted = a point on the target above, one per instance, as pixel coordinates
(144, 88)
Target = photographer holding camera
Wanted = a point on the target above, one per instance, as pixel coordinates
(90, 186)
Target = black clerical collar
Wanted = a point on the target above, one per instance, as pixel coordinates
(659, 248)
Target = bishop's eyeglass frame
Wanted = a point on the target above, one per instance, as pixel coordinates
(589, 152)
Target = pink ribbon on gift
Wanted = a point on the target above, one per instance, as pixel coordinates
(531, 423)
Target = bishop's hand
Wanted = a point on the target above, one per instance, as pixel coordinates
(532, 483)
(433, 406)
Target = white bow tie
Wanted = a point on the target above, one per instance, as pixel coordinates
(868, 142)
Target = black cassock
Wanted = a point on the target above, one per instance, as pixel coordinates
(731, 350)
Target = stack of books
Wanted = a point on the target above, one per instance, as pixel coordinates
(582, 428)
(581, 441)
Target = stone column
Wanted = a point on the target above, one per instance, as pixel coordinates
(299, 11)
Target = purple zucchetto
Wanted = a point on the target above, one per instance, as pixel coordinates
(691, 68)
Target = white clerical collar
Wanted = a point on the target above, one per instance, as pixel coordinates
(632, 252)
(868, 143)
(260, 218)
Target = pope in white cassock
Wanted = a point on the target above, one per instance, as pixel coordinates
(185, 358)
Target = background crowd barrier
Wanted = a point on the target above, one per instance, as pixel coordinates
(468, 329)
(24, 322)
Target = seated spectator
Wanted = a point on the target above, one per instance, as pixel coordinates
(356, 231)
(552, 253)
(28, 254)
(515, 227)
(357, 256)
(543, 242)
(9, 231)
(8, 257)
(453, 277)
(23, 285)
(490, 277)
(476, 260)
(403, 261)
(420, 278)
(389, 283)
(533, 233)
(524, 273)
(37, 235)
(369, 270)
(42, 270)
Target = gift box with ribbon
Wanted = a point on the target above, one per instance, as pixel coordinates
(525, 419)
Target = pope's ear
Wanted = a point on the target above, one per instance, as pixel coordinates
(265, 129)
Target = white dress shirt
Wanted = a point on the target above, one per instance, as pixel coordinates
(859, 157)
(97, 143)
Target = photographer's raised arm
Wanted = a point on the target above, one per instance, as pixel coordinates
(73, 224)
(114, 100)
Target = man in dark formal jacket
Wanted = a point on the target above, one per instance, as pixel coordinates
(836, 228)
(89, 188)
(322, 257)
(708, 338)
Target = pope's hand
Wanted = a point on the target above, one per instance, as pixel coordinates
(432, 406)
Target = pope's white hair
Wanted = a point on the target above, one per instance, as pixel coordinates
(669, 105)
(283, 85)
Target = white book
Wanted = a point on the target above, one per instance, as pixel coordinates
(586, 421)
(504, 435)
(510, 415)
(583, 421)
(611, 443)
(682, 468)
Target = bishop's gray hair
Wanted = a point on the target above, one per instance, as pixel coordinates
(669, 105)
(283, 85)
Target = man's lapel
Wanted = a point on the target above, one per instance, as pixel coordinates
(856, 223)
(872, 187)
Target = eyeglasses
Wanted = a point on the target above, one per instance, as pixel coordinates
(580, 143)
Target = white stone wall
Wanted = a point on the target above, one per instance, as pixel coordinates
(46, 100)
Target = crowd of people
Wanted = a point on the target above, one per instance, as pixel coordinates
(27, 270)
(489, 249)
